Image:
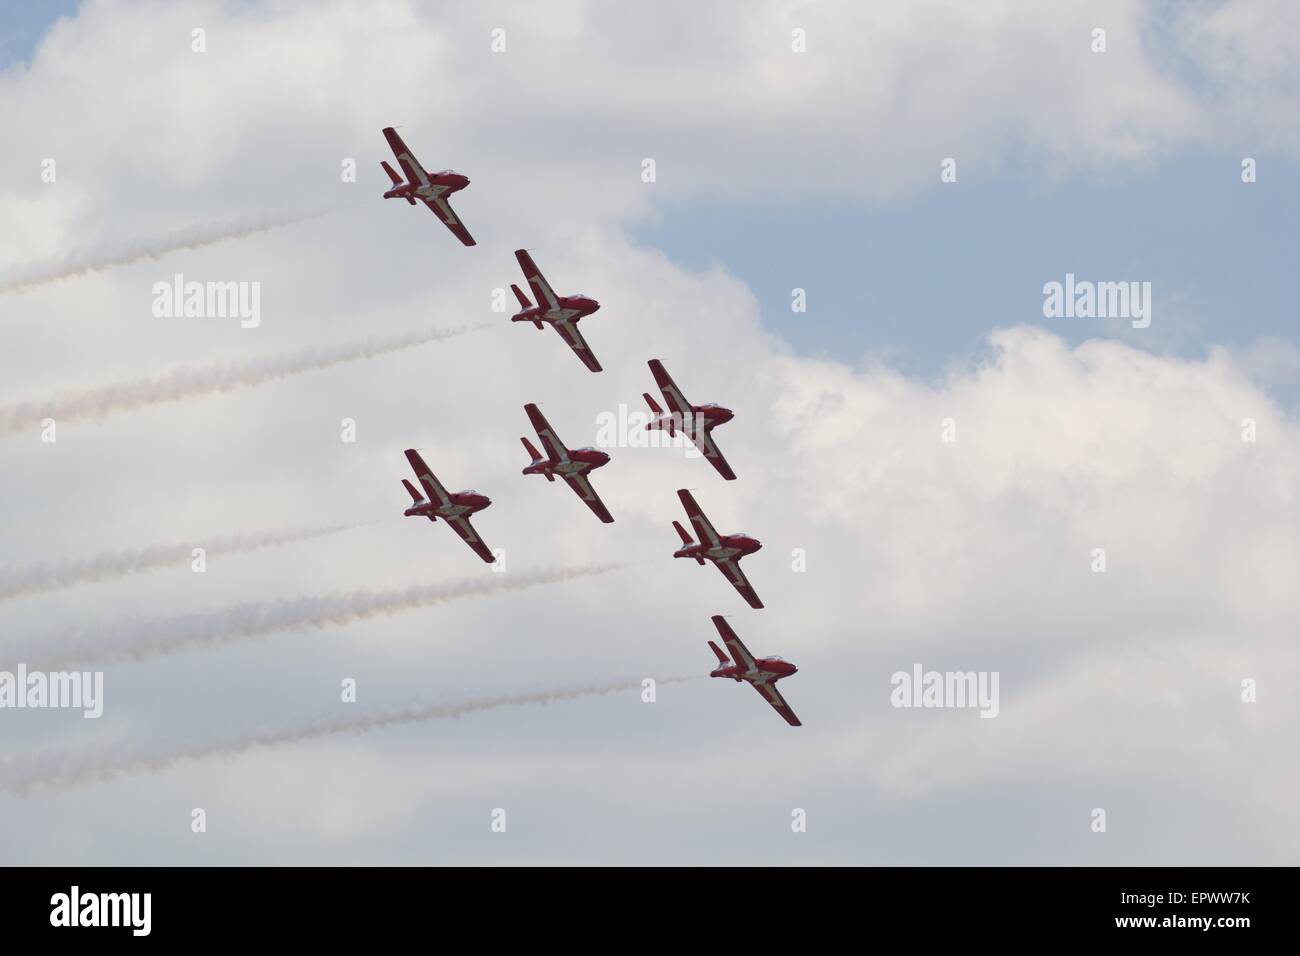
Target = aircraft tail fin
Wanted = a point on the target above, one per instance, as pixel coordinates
(537, 456)
(654, 406)
(392, 173)
(687, 541)
(519, 294)
(723, 659)
(416, 497)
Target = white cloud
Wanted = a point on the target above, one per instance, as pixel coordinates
(560, 123)
(1249, 53)
(969, 555)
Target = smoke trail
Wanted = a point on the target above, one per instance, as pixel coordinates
(196, 237)
(107, 565)
(184, 383)
(135, 640)
(68, 768)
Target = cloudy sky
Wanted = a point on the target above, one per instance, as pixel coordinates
(775, 169)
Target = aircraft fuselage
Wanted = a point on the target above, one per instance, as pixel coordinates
(461, 504)
(432, 187)
(766, 670)
(730, 547)
(580, 460)
(568, 309)
(701, 418)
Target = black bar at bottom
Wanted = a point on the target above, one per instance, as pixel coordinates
(373, 904)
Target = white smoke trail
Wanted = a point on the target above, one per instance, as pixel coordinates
(70, 767)
(184, 383)
(107, 565)
(134, 640)
(83, 263)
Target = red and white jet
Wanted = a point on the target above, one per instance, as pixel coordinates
(725, 551)
(695, 421)
(572, 466)
(762, 673)
(437, 502)
(562, 311)
(430, 188)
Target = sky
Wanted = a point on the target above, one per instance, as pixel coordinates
(932, 463)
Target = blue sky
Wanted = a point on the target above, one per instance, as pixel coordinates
(23, 24)
(921, 280)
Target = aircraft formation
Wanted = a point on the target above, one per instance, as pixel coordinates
(574, 466)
